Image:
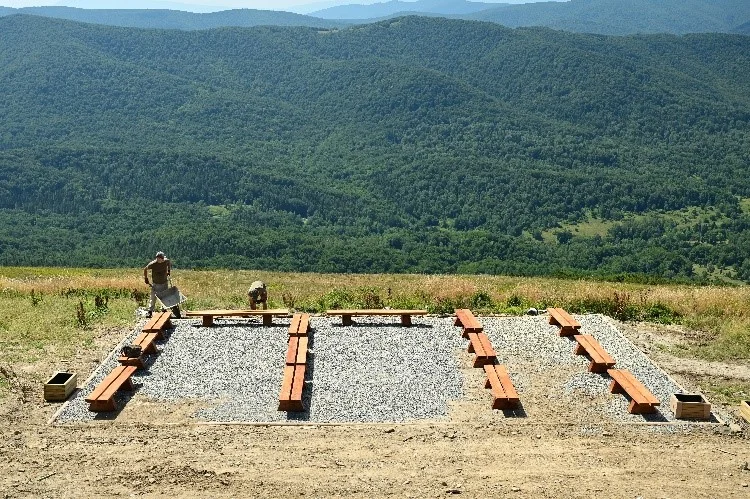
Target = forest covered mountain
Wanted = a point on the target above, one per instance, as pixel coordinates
(623, 17)
(611, 17)
(175, 19)
(743, 29)
(417, 144)
(389, 8)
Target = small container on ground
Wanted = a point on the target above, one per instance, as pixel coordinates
(60, 386)
(690, 406)
(745, 410)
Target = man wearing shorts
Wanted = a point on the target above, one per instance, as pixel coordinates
(160, 269)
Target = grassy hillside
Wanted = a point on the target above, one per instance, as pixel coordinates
(413, 145)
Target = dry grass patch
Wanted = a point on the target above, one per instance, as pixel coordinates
(717, 315)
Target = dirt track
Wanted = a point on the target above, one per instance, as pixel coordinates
(485, 456)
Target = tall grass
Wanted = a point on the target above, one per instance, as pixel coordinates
(39, 304)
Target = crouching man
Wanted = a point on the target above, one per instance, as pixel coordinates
(257, 294)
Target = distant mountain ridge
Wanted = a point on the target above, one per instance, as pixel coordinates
(394, 7)
(608, 17)
(176, 19)
(623, 17)
(743, 29)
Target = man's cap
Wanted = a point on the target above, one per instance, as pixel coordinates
(160, 254)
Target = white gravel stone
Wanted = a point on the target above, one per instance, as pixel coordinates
(372, 371)
(534, 341)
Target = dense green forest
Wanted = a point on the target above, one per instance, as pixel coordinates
(410, 145)
(622, 17)
(175, 19)
(608, 17)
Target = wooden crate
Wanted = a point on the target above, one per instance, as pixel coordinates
(745, 410)
(60, 386)
(690, 406)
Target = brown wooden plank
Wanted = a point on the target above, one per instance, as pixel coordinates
(642, 399)
(508, 388)
(568, 319)
(164, 321)
(101, 387)
(294, 326)
(277, 312)
(122, 380)
(304, 325)
(375, 311)
(301, 351)
(101, 399)
(286, 384)
(745, 410)
(150, 324)
(299, 382)
(486, 345)
(160, 320)
(146, 342)
(131, 361)
(291, 352)
(465, 318)
(559, 317)
(103, 405)
(483, 356)
(636, 390)
(465, 315)
(503, 392)
(111, 378)
(636, 408)
(599, 357)
(493, 382)
(475, 346)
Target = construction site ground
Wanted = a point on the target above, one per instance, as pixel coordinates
(156, 449)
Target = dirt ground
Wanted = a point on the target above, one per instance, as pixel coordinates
(155, 449)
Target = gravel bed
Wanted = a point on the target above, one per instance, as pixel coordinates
(534, 342)
(372, 371)
(377, 371)
(76, 408)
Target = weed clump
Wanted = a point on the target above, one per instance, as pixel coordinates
(84, 318)
(623, 307)
(81, 318)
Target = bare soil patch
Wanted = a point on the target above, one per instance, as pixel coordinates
(150, 449)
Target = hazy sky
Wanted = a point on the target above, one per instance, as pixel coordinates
(202, 4)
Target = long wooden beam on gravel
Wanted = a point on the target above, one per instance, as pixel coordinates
(208, 315)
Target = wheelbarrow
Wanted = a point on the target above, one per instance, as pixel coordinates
(171, 298)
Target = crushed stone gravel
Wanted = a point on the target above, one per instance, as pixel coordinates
(372, 371)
